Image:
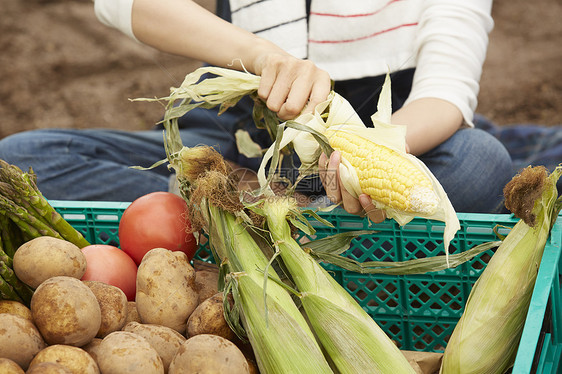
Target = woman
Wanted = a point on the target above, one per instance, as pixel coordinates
(434, 51)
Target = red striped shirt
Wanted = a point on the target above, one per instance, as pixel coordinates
(361, 37)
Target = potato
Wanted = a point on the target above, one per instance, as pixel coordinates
(20, 341)
(164, 340)
(49, 368)
(8, 366)
(45, 257)
(206, 284)
(208, 318)
(123, 352)
(15, 307)
(113, 306)
(166, 289)
(75, 359)
(207, 353)
(132, 313)
(66, 311)
(92, 348)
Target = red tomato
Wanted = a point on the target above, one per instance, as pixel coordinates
(109, 264)
(156, 220)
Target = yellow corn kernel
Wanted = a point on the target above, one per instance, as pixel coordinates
(385, 175)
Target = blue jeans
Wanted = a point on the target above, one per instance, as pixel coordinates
(94, 164)
(473, 166)
(528, 144)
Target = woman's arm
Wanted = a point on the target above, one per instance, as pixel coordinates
(184, 28)
(450, 51)
(430, 122)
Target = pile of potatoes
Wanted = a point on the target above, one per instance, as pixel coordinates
(175, 325)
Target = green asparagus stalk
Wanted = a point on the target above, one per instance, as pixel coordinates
(26, 221)
(38, 201)
(22, 290)
(25, 192)
(6, 259)
(18, 197)
(7, 292)
(9, 234)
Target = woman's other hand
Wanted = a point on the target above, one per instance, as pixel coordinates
(336, 192)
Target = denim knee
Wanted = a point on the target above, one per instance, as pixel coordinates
(15, 148)
(473, 167)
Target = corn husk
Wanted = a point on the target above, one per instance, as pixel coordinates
(280, 344)
(264, 312)
(270, 318)
(336, 114)
(350, 337)
(486, 338)
(280, 336)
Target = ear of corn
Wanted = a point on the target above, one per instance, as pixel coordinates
(385, 175)
(244, 255)
(351, 338)
(486, 338)
(280, 343)
(264, 310)
(374, 161)
(279, 334)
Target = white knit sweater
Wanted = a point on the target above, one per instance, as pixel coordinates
(445, 40)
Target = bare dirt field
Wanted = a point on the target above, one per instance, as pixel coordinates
(60, 67)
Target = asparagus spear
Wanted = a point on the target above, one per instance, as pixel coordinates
(5, 258)
(7, 244)
(7, 292)
(11, 235)
(19, 197)
(26, 221)
(22, 290)
(25, 193)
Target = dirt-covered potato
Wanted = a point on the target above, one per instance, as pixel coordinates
(113, 306)
(8, 366)
(48, 368)
(66, 311)
(164, 340)
(208, 318)
(20, 341)
(206, 284)
(15, 307)
(75, 359)
(132, 313)
(92, 348)
(45, 257)
(209, 354)
(123, 352)
(166, 289)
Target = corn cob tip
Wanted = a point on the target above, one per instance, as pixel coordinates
(423, 200)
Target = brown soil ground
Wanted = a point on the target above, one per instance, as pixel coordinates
(60, 67)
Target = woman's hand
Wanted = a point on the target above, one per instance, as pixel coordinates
(336, 192)
(290, 85)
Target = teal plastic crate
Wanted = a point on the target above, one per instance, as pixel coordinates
(418, 311)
